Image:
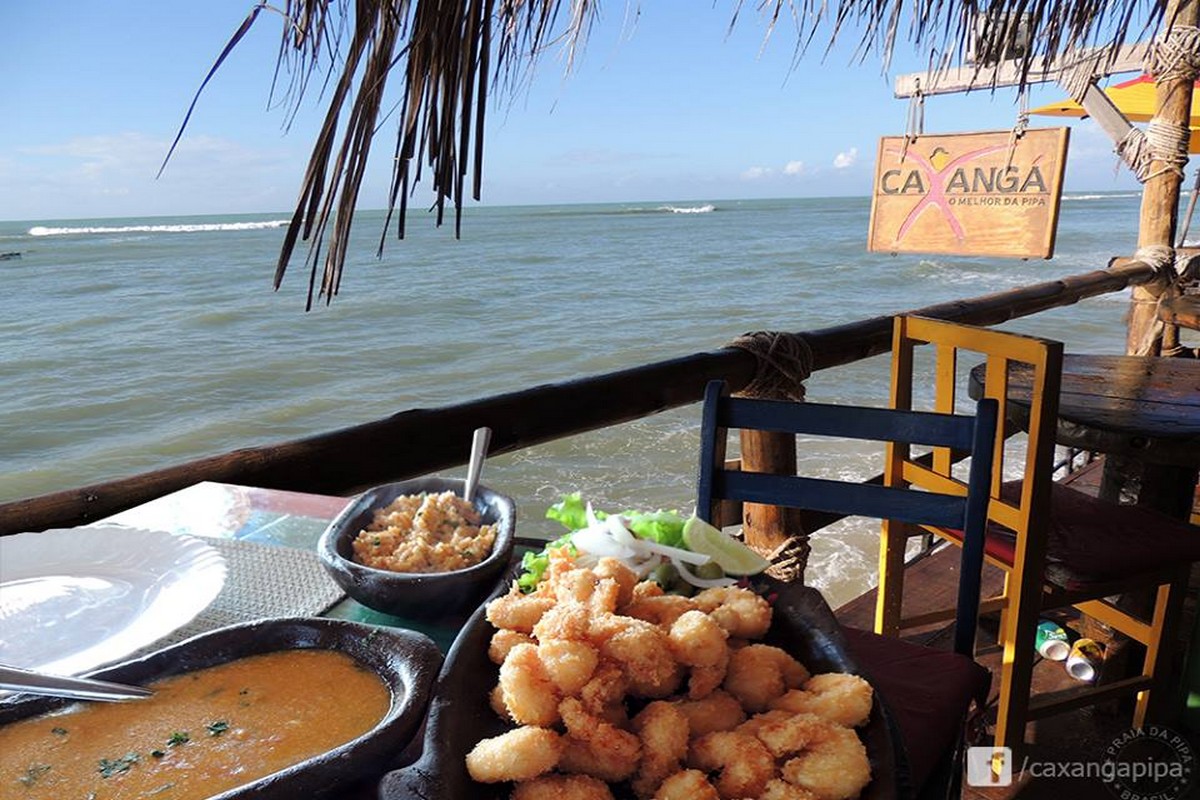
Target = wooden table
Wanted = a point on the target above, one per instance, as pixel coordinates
(1142, 412)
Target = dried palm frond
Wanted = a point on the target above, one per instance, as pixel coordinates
(452, 51)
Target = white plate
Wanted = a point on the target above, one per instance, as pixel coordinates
(74, 599)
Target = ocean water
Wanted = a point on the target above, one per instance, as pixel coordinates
(133, 344)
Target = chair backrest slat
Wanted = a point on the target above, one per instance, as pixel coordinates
(849, 422)
(862, 499)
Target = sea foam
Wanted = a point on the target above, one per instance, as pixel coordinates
(704, 209)
(40, 230)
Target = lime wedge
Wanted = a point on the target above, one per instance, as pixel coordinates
(728, 553)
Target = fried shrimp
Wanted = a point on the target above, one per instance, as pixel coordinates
(660, 609)
(782, 790)
(760, 673)
(564, 621)
(785, 732)
(744, 764)
(604, 695)
(739, 611)
(625, 578)
(835, 767)
(719, 711)
(528, 692)
(642, 650)
(504, 640)
(691, 784)
(836, 696)
(569, 664)
(700, 643)
(596, 747)
(518, 755)
(663, 729)
(562, 787)
(517, 611)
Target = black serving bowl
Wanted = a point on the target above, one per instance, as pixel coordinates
(406, 661)
(416, 595)
(460, 713)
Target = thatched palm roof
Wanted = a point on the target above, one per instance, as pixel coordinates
(450, 54)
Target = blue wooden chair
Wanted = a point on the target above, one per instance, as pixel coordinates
(928, 691)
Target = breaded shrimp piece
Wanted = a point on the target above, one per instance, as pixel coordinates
(647, 589)
(697, 640)
(784, 732)
(504, 640)
(835, 696)
(700, 643)
(740, 611)
(567, 620)
(604, 695)
(782, 790)
(569, 664)
(691, 784)
(760, 673)
(661, 609)
(562, 787)
(530, 696)
(719, 711)
(518, 755)
(576, 585)
(517, 611)
(496, 701)
(744, 763)
(834, 767)
(663, 729)
(596, 747)
(642, 650)
(625, 578)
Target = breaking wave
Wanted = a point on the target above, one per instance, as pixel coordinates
(40, 230)
(704, 209)
(1100, 196)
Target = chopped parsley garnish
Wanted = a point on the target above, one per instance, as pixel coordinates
(179, 737)
(32, 774)
(59, 731)
(158, 753)
(218, 727)
(115, 766)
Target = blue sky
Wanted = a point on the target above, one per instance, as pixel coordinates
(668, 106)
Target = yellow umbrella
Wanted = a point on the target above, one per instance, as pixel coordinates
(1135, 99)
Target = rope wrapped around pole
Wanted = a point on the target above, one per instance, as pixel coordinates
(784, 362)
(1162, 259)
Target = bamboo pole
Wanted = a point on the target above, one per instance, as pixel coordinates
(421, 441)
(1160, 195)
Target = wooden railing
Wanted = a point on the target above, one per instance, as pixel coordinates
(414, 442)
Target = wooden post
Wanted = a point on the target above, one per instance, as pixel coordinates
(767, 527)
(1160, 195)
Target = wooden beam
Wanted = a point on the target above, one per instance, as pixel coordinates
(953, 80)
(1101, 108)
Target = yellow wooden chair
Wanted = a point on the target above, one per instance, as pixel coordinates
(1058, 547)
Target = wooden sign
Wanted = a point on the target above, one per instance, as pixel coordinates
(969, 193)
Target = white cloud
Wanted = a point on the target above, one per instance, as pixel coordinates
(794, 168)
(845, 159)
(756, 173)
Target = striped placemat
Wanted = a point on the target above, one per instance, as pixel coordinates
(262, 581)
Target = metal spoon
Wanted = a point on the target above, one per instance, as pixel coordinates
(30, 682)
(479, 446)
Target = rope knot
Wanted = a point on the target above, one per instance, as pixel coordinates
(784, 362)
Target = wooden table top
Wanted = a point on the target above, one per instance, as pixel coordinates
(1183, 311)
(1131, 405)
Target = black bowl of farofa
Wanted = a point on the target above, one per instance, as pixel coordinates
(406, 663)
(422, 596)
